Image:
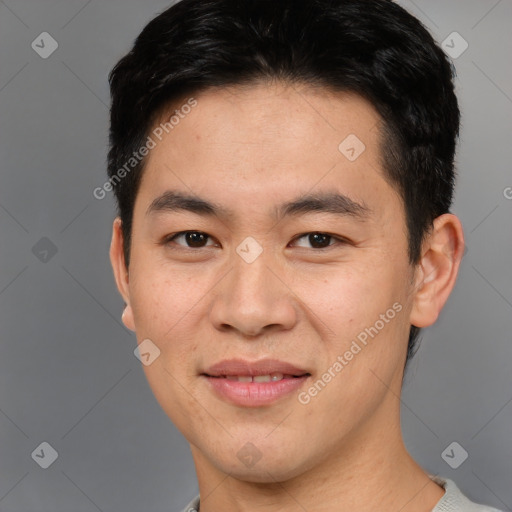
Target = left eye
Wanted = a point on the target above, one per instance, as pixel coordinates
(318, 240)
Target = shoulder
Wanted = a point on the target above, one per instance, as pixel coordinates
(193, 506)
(454, 500)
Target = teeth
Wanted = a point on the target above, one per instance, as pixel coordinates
(268, 378)
(239, 379)
(273, 377)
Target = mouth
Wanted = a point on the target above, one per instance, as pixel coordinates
(258, 383)
(272, 377)
(262, 370)
(250, 391)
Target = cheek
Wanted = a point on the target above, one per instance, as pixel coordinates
(362, 315)
(163, 296)
(349, 300)
(166, 306)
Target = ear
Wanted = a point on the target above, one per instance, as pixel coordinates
(437, 270)
(121, 272)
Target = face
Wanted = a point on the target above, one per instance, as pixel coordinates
(299, 256)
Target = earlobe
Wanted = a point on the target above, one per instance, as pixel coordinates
(121, 272)
(437, 270)
(127, 318)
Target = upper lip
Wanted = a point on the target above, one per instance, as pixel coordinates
(242, 367)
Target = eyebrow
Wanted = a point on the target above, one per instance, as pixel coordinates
(327, 202)
(331, 202)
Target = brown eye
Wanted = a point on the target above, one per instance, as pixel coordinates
(319, 240)
(193, 239)
(316, 240)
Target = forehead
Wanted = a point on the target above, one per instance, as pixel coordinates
(261, 110)
(265, 143)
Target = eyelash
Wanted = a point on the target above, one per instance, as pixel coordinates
(337, 239)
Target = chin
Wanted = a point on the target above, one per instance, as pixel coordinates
(266, 470)
(265, 474)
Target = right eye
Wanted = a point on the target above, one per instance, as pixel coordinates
(192, 239)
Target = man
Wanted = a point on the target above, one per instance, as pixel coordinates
(284, 172)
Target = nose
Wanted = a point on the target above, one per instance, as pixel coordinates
(253, 298)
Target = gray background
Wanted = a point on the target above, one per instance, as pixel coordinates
(68, 375)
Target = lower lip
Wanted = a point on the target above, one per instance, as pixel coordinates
(254, 394)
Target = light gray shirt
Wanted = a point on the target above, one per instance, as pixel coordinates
(452, 501)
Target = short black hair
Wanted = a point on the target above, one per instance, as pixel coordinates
(373, 48)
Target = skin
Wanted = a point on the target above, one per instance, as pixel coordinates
(251, 149)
